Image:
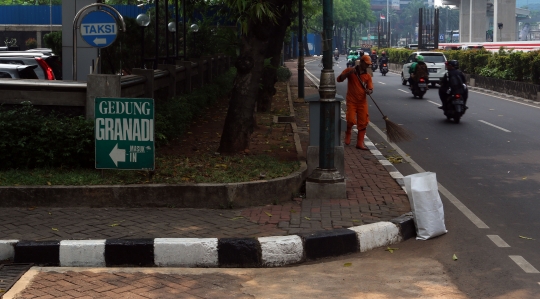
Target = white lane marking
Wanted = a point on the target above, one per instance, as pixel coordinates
(404, 90)
(523, 264)
(381, 82)
(468, 213)
(312, 77)
(490, 124)
(434, 103)
(498, 241)
(509, 100)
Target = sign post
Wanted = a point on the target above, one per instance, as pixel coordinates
(124, 133)
(99, 29)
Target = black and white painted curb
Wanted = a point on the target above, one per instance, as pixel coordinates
(209, 252)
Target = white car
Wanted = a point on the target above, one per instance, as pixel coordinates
(435, 62)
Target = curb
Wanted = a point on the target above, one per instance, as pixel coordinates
(273, 251)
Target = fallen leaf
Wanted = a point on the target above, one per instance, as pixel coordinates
(49, 183)
(236, 218)
(454, 257)
(524, 178)
(293, 211)
(31, 208)
(114, 224)
(390, 249)
(268, 214)
(307, 218)
(55, 229)
(347, 264)
(526, 238)
(354, 220)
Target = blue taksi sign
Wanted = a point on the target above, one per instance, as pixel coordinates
(441, 37)
(99, 29)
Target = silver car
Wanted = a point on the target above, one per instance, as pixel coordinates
(435, 62)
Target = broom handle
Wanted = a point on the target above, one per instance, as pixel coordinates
(365, 88)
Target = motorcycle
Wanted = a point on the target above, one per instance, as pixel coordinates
(454, 108)
(419, 88)
(336, 57)
(384, 69)
(374, 66)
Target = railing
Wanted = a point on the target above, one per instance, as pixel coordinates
(171, 79)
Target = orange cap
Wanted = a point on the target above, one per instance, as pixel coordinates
(366, 59)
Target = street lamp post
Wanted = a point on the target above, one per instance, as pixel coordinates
(143, 20)
(326, 181)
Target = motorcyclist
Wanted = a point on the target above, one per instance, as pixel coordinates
(374, 56)
(417, 70)
(453, 82)
(336, 52)
(352, 57)
(382, 60)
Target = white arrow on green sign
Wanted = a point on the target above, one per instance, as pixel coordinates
(124, 133)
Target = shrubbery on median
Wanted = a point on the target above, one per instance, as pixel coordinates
(31, 139)
(504, 64)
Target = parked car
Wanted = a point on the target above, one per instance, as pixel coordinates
(15, 71)
(49, 65)
(435, 62)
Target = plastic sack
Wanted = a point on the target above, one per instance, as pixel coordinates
(426, 205)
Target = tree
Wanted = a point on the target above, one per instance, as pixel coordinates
(263, 24)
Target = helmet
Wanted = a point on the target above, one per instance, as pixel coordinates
(336, 48)
(419, 58)
(351, 52)
(453, 63)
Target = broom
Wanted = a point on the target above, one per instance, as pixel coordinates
(394, 132)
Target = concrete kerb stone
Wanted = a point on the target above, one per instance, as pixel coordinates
(272, 251)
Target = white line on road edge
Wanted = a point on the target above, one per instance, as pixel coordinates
(404, 90)
(509, 100)
(523, 264)
(434, 103)
(468, 213)
(498, 241)
(490, 124)
(312, 77)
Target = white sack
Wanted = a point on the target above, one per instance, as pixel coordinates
(426, 205)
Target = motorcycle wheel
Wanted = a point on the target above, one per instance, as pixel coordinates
(457, 119)
(403, 81)
(421, 96)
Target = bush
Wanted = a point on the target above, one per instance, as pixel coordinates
(283, 74)
(32, 139)
(53, 41)
(31, 43)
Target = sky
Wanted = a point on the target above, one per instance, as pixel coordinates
(438, 2)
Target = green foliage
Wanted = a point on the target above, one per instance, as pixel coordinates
(31, 43)
(31, 139)
(283, 74)
(53, 40)
(173, 116)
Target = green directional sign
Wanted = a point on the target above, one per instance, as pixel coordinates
(124, 132)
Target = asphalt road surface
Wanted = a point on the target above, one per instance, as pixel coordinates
(488, 169)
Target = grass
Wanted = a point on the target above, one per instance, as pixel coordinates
(170, 170)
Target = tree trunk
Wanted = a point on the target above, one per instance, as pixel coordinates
(350, 34)
(263, 40)
(273, 51)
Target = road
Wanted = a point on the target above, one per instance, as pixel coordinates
(489, 175)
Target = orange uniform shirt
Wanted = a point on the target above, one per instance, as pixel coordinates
(355, 92)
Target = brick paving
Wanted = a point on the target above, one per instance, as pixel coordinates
(373, 195)
(135, 285)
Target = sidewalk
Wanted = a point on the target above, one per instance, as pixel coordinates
(373, 196)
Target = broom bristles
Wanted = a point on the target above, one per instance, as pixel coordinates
(396, 133)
